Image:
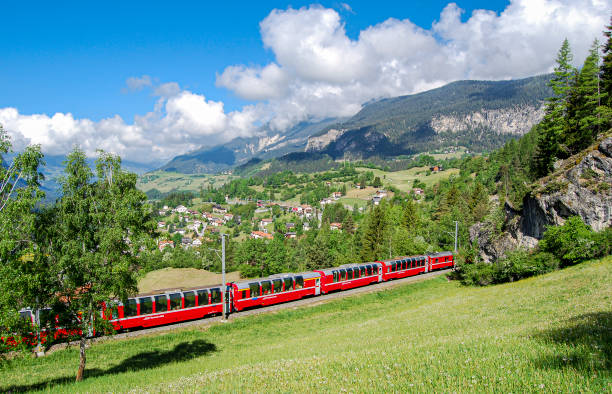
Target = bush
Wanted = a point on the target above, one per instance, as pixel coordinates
(571, 243)
(479, 274)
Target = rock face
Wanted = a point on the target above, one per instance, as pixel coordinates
(321, 142)
(580, 186)
(515, 120)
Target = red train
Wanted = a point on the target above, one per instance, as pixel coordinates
(155, 309)
(148, 310)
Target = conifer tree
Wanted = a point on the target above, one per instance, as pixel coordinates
(606, 68)
(554, 125)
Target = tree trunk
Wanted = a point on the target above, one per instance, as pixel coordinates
(82, 360)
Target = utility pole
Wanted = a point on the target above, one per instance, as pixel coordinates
(224, 287)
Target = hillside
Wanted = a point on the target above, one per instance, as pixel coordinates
(478, 115)
(549, 333)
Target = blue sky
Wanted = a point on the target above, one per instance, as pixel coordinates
(75, 58)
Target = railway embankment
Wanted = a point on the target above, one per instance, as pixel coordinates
(546, 333)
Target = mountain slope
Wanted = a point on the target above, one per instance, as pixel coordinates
(238, 151)
(480, 115)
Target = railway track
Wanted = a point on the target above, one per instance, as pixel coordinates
(267, 309)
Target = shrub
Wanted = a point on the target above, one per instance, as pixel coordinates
(570, 243)
(479, 274)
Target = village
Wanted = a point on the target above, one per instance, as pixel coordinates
(190, 228)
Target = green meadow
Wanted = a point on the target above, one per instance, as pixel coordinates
(551, 333)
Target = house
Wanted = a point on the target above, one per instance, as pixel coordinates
(290, 235)
(181, 231)
(219, 209)
(261, 235)
(263, 225)
(336, 195)
(197, 242)
(376, 200)
(180, 209)
(381, 193)
(289, 226)
(306, 226)
(164, 244)
(186, 242)
(335, 226)
(417, 191)
(215, 222)
(161, 224)
(436, 169)
(307, 209)
(227, 217)
(326, 201)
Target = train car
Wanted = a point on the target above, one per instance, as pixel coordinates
(349, 276)
(402, 267)
(148, 310)
(440, 260)
(274, 289)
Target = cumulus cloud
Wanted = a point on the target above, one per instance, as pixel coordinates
(182, 121)
(319, 71)
(138, 83)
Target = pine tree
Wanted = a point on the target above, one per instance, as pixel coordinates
(585, 117)
(554, 125)
(606, 68)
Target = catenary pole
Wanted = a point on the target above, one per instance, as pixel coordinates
(456, 231)
(223, 276)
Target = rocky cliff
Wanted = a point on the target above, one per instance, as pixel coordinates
(515, 120)
(580, 185)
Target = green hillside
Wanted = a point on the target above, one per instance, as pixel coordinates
(550, 333)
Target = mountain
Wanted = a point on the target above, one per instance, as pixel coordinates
(269, 144)
(479, 115)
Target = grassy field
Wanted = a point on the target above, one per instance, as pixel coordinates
(176, 278)
(545, 334)
(403, 179)
(166, 181)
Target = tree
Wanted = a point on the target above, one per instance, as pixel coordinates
(587, 115)
(555, 122)
(606, 67)
(20, 259)
(374, 242)
(377, 182)
(100, 226)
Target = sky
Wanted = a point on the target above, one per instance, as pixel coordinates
(151, 80)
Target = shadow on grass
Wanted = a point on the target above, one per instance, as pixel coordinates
(589, 337)
(146, 360)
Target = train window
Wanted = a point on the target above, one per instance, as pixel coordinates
(265, 287)
(288, 284)
(254, 289)
(342, 274)
(349, 274)
(146, 305)
(202, 297)
(243, 294)
(175, 301)
(161, 303)
(129, 308)
(215, 295)
(335, 274)
(189, 297)
(299, 282)
(368, 270)
(111, 310)
(375, 269)
(363, 271)
(278, 285)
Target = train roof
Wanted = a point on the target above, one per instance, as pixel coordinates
(345, 266)
(244, 284)
(441, 254)
(403, 258)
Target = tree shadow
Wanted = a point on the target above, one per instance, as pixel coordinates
(183, 351)
(589, 337)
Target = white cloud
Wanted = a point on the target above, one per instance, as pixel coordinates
(138, 83)
(182, 122)
(321, 72)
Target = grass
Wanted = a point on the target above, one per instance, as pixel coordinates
(550, 333)
(403, 179)
(177, 278)
(167, 181)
